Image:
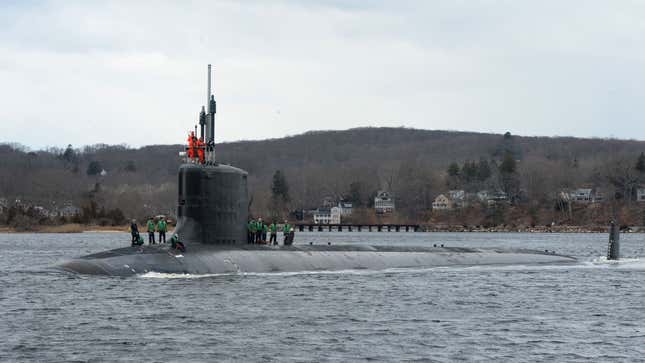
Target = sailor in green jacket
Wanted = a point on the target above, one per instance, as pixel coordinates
(162, 226)
(259, 226)
(252, 228)
(273, 229)
(265, 229)
(151, 231)
(285, 231)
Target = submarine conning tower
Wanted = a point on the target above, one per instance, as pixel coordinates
(212, 205)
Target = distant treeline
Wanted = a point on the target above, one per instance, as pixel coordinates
(414, 165)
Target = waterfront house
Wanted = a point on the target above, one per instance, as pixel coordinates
(327, 215)
(345, 208)
(458, 198)
(335, 215)
(383, 202)
(582, 195)
(441, 202)
(69, 211)
(640, 195)
(492, 198)
(322, 216)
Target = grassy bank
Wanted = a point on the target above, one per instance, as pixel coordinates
(65, 228)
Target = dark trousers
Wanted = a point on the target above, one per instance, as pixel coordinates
(151, 238)
(162, 235)
(258, 236)
(250, 236)
(135, 237)
(273, 238)
(264, 236)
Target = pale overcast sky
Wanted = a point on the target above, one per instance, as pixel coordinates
(85, 72)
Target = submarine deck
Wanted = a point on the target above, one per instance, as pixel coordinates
(197, 248)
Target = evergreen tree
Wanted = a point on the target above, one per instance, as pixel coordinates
(94, 168)
(279, 196)
(454, 176)
(483, 170)
(355, 195)
(469, 171)
(130, 166)
(508, 165)
(453, 169)
(279, 187)
(640, 163)
(69, 155)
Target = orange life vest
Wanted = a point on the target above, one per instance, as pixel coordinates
(191, 146)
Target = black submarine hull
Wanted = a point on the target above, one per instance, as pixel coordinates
(214, 259)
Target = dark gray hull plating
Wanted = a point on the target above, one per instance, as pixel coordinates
(211, 259)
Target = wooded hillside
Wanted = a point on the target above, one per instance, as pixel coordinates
(415, 165)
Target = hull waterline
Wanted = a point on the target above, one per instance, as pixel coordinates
(208, 259)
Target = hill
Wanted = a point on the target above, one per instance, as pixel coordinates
(415, 165)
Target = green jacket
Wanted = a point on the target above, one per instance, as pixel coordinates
(162, 226)
(265, 228)
(273, 228)
(151, 226)
(253, 227)
(286, 228)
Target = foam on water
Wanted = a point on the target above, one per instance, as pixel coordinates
(598, 262)
(162, 275)
(634, 262)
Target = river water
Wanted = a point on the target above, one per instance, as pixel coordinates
(589, 311)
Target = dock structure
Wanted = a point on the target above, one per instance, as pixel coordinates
(312, 227)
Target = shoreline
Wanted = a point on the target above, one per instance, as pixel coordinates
(80, 228)
(66, 228)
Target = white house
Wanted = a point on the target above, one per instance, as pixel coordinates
(582, 195)
(458, 197)
(492, 198)
(345, 208)
(640, 195)
(483, 195)
(335, 215)
(322, 216)
(69, 211)
(441, 202)
(384, 202)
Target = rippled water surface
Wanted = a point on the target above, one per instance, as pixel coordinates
(590, 311)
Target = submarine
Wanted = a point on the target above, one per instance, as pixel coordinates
(212, 215)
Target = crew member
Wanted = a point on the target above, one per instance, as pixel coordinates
(201, 150)
(265, 229)
(162, 226)
(273, 229)
(151, 231)
(192, 148)
(176, 244)
(285, 232)
(258, 230)
(134, 230)
(252, 229)
(139, 240)
(292, 234)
